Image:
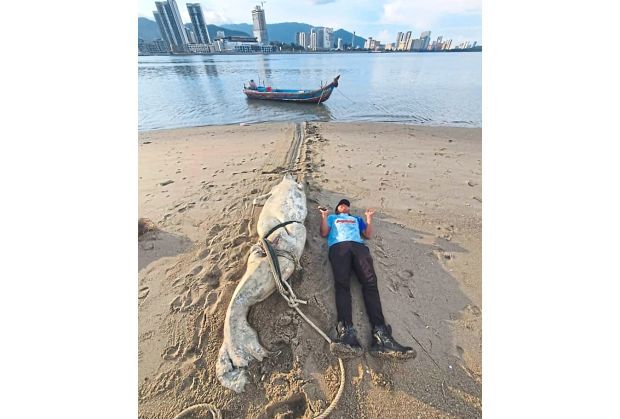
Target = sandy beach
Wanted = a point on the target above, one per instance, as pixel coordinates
(196, 188)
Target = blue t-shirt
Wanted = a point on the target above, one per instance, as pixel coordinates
(344, 227)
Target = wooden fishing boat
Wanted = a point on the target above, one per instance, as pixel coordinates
(292, 95)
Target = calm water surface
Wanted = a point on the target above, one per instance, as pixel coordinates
(431, 89)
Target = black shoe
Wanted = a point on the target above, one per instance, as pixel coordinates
(346, 345)
(384, 346)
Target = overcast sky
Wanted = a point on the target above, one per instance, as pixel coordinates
(459, 20)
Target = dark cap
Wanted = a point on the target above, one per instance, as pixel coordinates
(342, 201)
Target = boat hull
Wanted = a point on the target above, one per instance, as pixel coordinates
(289, 97)
(301, 96)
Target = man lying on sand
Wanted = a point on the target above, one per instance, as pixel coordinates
(347, 251)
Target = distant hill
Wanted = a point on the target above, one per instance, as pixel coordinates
(285, 32)
(280, 32)
(149, 31)
(243, 27)
(227, 32)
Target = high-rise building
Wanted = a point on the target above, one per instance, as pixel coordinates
(300, 39)
(340, 44)
(260, 25)
(313, 39)
(173, 29)
(303, 39)
(191, 35)
(399, 38)
(328, 38)
(407, 41)
(162, 27)
(426, 39)
(320, 37)
(199, 24)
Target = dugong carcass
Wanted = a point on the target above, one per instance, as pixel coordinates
(286, 202)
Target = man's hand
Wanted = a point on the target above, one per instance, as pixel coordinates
(369, 213)
(368, 232)
(324, 211)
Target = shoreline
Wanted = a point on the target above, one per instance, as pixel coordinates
(417, 124)
(310, 52)
(196, 187)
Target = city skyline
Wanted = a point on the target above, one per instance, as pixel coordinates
(382, 20)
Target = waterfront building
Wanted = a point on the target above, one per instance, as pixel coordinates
(426, 39)
(313, 40)
(417, 45)
(200, 48)
(158, 46)
(163, 28)
(404, 41)
(320, 37)
(240, 44)
(191, 35)
(340, 45)
(260, 25)
(438, 44)
(328, 38)
(407, 42)
(303, 39)
(399, 40)
(372, 44)
(199, 24)
(174, 31)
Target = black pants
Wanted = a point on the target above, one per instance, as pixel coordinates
(344, 256)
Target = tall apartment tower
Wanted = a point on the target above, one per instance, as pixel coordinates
(174, 30)
(328, 38)
(163, 27)
(260, 25)
(407, 41)
(426, 38)
(313, 39)
(198, 22)
(319, 33)
(399, 40)
(303, 40)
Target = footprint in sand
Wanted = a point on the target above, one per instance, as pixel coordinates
(143, 292)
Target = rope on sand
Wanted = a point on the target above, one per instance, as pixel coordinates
(292, 301)
(215, 412)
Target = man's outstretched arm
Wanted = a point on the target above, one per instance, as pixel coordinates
(324, 226)
(368, 232)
